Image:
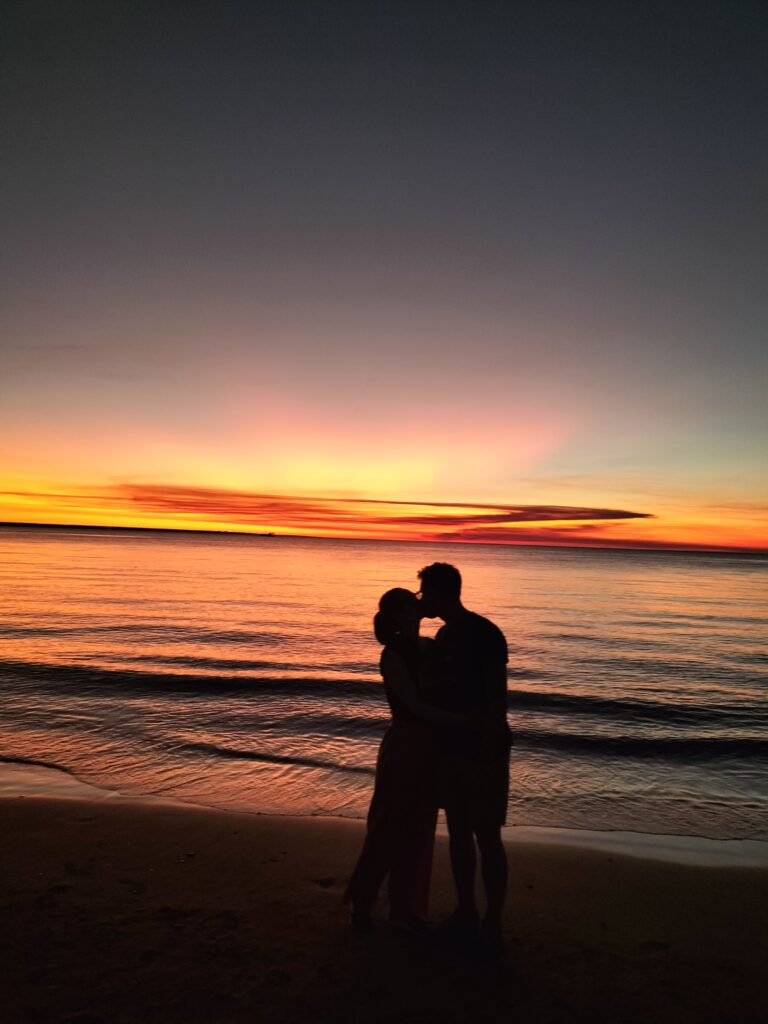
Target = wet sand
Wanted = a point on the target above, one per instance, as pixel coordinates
(118, 911)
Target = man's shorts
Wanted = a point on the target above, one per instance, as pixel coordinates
(476, 788)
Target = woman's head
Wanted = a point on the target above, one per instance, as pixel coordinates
(399, 613)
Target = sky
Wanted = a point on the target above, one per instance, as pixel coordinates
(478, 272)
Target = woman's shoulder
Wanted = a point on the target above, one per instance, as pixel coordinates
(390, 653)
(395, 652)
(403, 650)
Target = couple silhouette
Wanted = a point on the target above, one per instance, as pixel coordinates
(447, 746)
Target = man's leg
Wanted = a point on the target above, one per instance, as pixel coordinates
(493, 864)
(463, 858)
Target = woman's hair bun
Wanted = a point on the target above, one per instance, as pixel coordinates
(385, 624)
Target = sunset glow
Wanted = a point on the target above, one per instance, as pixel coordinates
(440, 304)
(198, 508)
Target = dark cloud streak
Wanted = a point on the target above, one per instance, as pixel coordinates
(221, 508)
(251, 507)
(248, 508)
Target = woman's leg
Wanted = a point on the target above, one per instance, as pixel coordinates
(375, 858)
(372, 866)
(411, 871)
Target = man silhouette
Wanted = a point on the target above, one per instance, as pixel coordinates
(473, 764)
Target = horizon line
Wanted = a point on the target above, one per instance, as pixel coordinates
(656, 549)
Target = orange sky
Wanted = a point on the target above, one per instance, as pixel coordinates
(200, 448)
(209, 451)
(207, 508)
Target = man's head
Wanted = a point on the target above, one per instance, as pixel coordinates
(440, 589)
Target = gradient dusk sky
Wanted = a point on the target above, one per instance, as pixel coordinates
(481, 271)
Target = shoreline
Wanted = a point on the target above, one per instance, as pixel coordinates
(23, 780)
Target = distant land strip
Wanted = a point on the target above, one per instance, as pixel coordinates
(757, 553)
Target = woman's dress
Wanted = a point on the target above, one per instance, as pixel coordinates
(402, 817)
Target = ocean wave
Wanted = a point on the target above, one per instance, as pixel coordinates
(248, 664)
(725, 710)
(630, 708)
(34, 762)
(641, 619)
(683, 748)
(148, 632)
(689, 670)
(88, 677)
(255, 755)
(284, 717)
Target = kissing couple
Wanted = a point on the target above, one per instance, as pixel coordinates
(447, 746)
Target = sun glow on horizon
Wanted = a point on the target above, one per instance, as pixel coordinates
(160, 506)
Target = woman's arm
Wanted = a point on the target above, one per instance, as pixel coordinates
(397, 677)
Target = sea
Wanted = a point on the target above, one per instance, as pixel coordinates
(241, 672)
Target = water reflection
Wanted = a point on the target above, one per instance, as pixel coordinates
(144, 661)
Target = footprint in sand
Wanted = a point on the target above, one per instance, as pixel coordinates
(78, 870)
(276, 976)
(136, 888)
(174, 915)
(653, 946)
(58, 890)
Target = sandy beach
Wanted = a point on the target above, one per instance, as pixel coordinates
(119, 911)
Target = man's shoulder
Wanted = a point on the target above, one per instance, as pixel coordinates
(468, 622)
(486, 634)
(480, 624)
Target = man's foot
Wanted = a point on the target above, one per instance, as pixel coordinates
(460, 930)
(491, 939)
(412, 925)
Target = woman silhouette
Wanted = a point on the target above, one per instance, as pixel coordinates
(403, 813)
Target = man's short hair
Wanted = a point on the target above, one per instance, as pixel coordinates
(442, 577)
